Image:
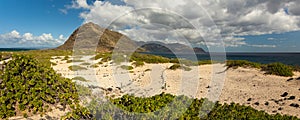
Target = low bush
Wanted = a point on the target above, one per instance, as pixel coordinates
(148, 58)
(94, 66)
(126, 67)
(178, 66)
(242, 63)
(205, 62)
(70, 61)
(76, 68)
(85, 63)
(80, 79)
(278, 69)
(29, 87)
(138, 63)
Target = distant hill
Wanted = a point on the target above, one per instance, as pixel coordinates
(159, 47)
(88, 34)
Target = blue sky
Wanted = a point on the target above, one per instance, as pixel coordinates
(245, 26)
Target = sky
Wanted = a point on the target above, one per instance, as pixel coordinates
(236, 25)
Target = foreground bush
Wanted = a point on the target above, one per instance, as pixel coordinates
(167, 106)
(28, 87)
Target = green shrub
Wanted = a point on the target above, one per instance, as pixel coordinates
(166, 106)
(148, 58)
(105, 57)
(52, 63)
(178, 66)
(66, 57)
(138, 63)
(80, 79)
(242, 63)
(278, 69)
(85, 63)
(28, 86)
(205, 62)
(76, 68)
(94, 66)
(126, 67)
(70, 61)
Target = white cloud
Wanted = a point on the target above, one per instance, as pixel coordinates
(263, 46)
(14, 38)
(151, 18)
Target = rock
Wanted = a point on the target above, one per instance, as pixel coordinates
(280, 108)
(109, 89)
(284, 94)
(256, 103)
(208, 87)
(291, 98)
(249, 99)
(266, 103)
(274, 111)
(298, 78)
(294, 105)
(118, 88)
(290, 79)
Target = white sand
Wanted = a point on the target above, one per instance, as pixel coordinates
(202, 81)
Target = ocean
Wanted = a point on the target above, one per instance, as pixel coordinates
(264, 58)
(17, 49)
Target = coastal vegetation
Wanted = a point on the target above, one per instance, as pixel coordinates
(76, 68)
(167, 106)
(28, 87)
(178, 66)
(79, 78)
(272, 68)
(126, 67)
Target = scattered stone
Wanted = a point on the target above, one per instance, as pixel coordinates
(276, 101)
(249, 99)
(280, 108)
(294, 105)
(274, 111)
(298, 78)
(290, 79)
(284, 94)
(118, 88)
(291, 98)
(256, 103)
(109, 89)
(266, 103)
(299, 100)
(208, 87)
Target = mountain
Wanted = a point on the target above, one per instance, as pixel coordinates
(93, 37)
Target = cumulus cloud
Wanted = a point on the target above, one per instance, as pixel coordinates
(14, 38)
(229, 20)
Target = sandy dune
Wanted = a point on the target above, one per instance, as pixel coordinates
(247, 86)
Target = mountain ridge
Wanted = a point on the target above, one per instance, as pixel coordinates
(85, 37)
